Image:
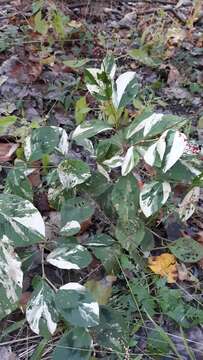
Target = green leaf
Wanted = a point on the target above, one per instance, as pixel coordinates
(147, 243)
(73, 172)
(41, 312)
(11, 277)
(17, 183)
(41, 26)
(130, 160)
(6, 121)
(130, 234)
(58, 23)
(125, 89)
(77, 306)
(88, 130)
(153, 196)
(77, 209)
(74, 345)
(101, 240)
(75, 63)
(70, 257)
(81, 109)
(45, 140)
(20, 221)
(96, 185)
(125, 197)
(187, 250)
(143, 57)
(109, 66)
(167, 150)
(101, 289)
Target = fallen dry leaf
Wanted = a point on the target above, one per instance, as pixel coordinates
(164, 265)
(184, 274)
(6, 151)
(6, 353)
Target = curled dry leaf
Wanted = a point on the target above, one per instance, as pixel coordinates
(164, 265)
(6, 151)
(184, 274)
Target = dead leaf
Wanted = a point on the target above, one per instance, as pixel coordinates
(188, 205)
(6, 353)
(6, 151)
(184, 274)
(34, 177)
(164, 265)
(101, 289)
(26, 72)
(173, 76)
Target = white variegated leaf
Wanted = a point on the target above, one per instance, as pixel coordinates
(77, 306)
(151, 124)
(41, 312)
(167, 150)
(153, 196)
(177, 146)
(88, 130)
(70, 228)
(188, 205)
(103, 172)
(20, 220)
(125, 89)
(70, 257)
(93, 88)
(73, 172)
(11, 277)
(130, 160)
(114, 162)
(109, 66)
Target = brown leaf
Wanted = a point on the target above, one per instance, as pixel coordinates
(6, 151)
(6, 353)
(26, 72)
(184, 274)
(34, 177)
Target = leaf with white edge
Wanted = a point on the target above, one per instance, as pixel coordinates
(94, 85)
(76, 344)
(77, 306)
(101, 240)
(187, 250)
(114, 162)
(45, 140)
(41, 312)
(153, 196)
(73, 172)
(125, 89)
(130, 160)
(188, 204)
(167, 150)
(109, 66)
(20, 220)
(70, 228)
(70, 257)
(11, 277)
(89, 130)
(77, 209)
(151, 124)
(17, 183)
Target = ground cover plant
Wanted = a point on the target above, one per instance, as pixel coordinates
(100, 188)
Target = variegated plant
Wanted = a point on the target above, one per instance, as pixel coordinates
(135, 164)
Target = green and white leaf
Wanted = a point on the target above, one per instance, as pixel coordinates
(73, 172)
(114, 162)
(45, 140)
(70, 257)
(41, 312)
(188, 204)
(11, 277)
(77, 209)
(94, 85)
(17, 183)
(70, 228)
(20, 221)
(187, 250)
(167, 150)
(153, 196)
(130, 160)
(125, 89)
(109, 66)
(151, 124)
(76, 344)
(89, 130)
(77, 306)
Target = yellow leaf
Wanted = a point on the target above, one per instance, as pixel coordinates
(164, 265)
